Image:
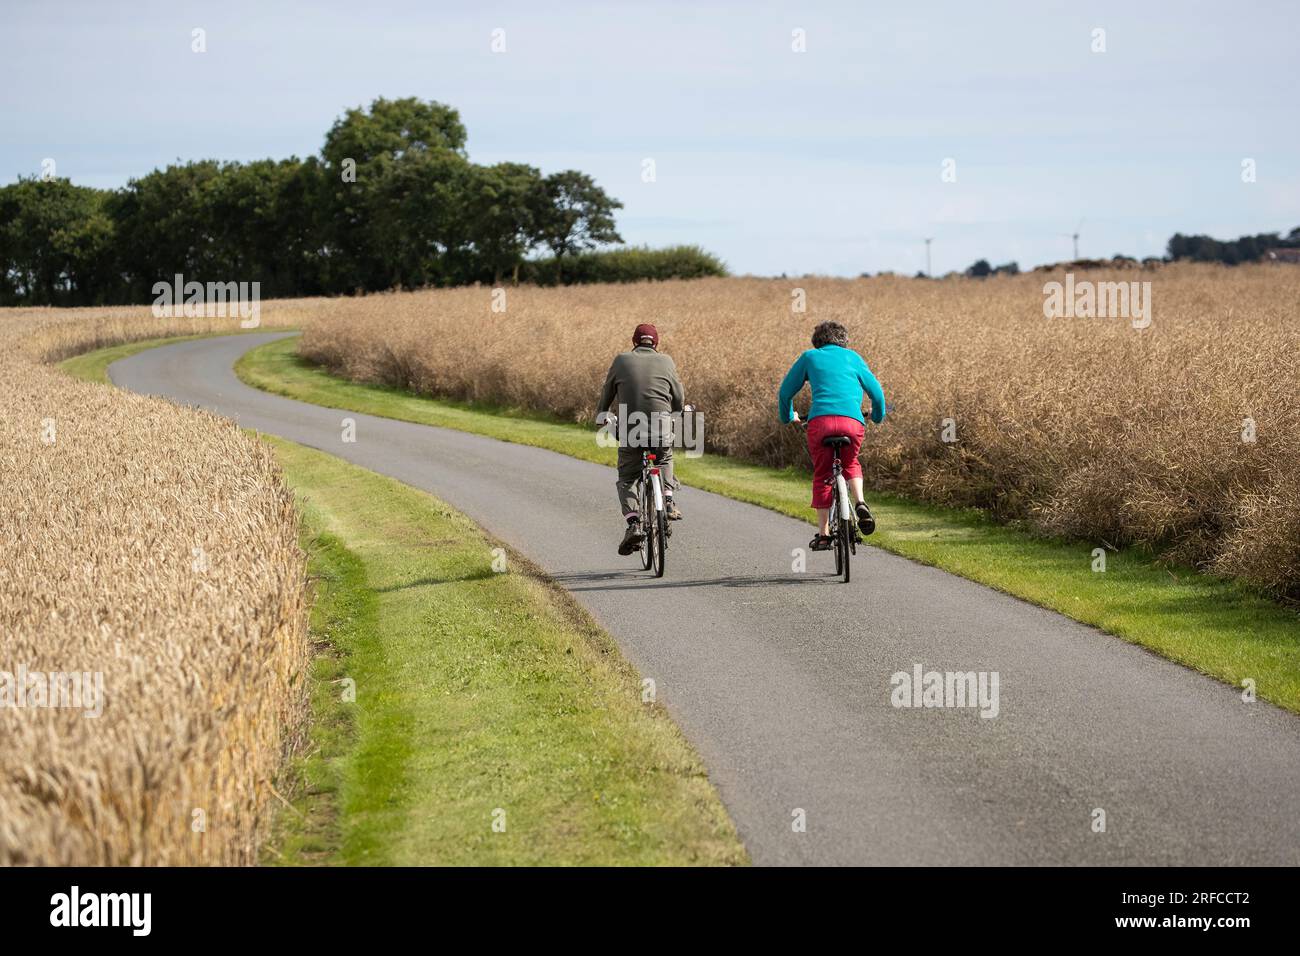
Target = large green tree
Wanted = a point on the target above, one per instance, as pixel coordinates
(210, 221)
(497, 217)
(574, 214)
(56, 241)
(387, 172)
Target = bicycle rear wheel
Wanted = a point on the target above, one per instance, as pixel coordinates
(835, 536)
(647, 519)
(844, 545)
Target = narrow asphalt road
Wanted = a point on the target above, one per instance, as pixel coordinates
(782, 680)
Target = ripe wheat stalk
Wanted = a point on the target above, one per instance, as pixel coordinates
(157, 546)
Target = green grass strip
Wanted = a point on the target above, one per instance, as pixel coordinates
(483, 696)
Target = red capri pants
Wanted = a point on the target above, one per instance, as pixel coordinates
(824, 426)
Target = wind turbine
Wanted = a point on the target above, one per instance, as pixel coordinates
(928, 275)
(1075, 236)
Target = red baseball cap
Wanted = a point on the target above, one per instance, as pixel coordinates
(643, 331)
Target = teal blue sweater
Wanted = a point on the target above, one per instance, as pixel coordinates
(839, 377)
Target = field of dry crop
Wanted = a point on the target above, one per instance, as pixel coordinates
(1088, 428)
(157, 547)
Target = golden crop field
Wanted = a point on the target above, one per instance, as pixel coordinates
(1180, 436)
(150, 561)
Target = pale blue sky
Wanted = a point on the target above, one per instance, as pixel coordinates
(827, 161)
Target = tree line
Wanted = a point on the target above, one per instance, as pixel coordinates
(1230, 251)
(392, 201)
(1196, 248)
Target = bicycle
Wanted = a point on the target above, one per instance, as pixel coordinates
(842, 526)
(652, 511)
(843, 529)
(654, 517)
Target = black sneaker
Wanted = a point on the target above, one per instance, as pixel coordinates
(671, 511)
(821, 542)
(631, 539)
(866, 523)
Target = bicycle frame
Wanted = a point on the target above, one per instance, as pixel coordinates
(648, 471)
(655, 529)
(840, 505)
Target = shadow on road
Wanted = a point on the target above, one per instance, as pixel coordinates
(631, 580)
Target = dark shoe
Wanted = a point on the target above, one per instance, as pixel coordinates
(866, 523)
(671, 510)
(821, 542)
(631, 539)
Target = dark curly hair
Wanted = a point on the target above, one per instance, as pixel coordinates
(830, 333)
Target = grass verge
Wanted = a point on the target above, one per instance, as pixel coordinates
(1218, 627)
(481, 697)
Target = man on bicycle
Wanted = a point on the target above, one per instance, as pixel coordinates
(642, 381)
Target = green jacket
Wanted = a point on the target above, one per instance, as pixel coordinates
(644, 380)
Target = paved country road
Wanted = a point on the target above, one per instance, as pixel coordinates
(782, 680)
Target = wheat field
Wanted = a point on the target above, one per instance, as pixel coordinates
(1179, 437)
(155, 547)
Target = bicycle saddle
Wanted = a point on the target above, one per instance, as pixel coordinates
(836, 441)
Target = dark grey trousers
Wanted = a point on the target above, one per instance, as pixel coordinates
(629, 473)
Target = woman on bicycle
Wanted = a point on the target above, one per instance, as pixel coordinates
(839, 378)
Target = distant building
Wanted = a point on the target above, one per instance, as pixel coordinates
(1283, 255)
